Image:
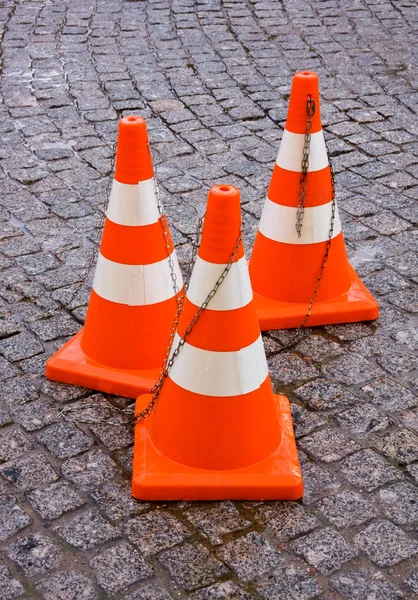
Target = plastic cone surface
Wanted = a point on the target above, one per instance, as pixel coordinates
(284, 267)
(132, 305)
(217, 430)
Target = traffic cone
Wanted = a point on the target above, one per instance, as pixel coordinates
(285, 268)
(217, 431)
(132, 305)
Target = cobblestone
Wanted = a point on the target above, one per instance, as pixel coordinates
(35, 554)
(192, 566)
(326, 550)
(213, 81)
(250, 556)
(385, 544)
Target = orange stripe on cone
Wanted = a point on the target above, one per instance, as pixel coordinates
(284, 268)
(132, 305)
(217, 430)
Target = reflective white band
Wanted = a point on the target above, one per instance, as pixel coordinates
(278, 223)
(133, 204)
(291, 152)
(235, 291)
(219, 373)
(135, 285)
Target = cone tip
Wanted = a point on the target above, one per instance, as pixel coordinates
(222, 225)
(304, 84)
(134, 125)
(223, 192)
(133, 159)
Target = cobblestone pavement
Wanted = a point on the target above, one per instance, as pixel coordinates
(212, 77)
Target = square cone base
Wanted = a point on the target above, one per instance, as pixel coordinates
(156, 477)
(71, 365)
(355, 305)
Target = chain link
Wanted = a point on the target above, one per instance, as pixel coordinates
(170, 355)
(310, 111)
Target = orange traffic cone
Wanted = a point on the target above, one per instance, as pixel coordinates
(133, 301)
(217, 431)
(286, 268)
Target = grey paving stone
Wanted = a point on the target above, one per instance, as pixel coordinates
(385, 544)
(113, 436)
(192, 566)
(347, 509)
(401, 446)
(323, 394)
(68, 585)
(398, 365)
(155, 531)
(408, 338)
(13, 443)
(292, 583)
(317, 482)
(286, 519)
(18, 391)
(216, 520)
(389, 395)
(328, 446)
(351, 369)
(222, 591)
(64, 439)
(399, 502)
(359, 585)
(35, 415)
(150, 592)
(114, 498)
(405, 299)
(386, 223)
(63, 392)
(12, 517)
(87, 530)
(50, 329)
(410, 419)
(90, 469)
(250, 556)
(349, 332)
(412, 582)
(54, 500)
(326, 550)
(368, 470)
(120, 566)
(35, 554)
(288, 368)
(22, 345)
(9, 587)
(318, 348)
(385, 281)
(363, 419)
(304, 421)
(29, 472)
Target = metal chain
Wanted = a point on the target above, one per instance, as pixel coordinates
(171, 356)
(310, 111)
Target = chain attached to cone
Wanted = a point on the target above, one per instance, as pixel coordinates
(300, 273)
(217, 430)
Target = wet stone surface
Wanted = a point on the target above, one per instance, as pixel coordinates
(213, 80)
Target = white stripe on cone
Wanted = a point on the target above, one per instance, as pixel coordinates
(219, 373)
(278, 223)
(291, 152)
(235, 291)
(135, 285)
(133, 204)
